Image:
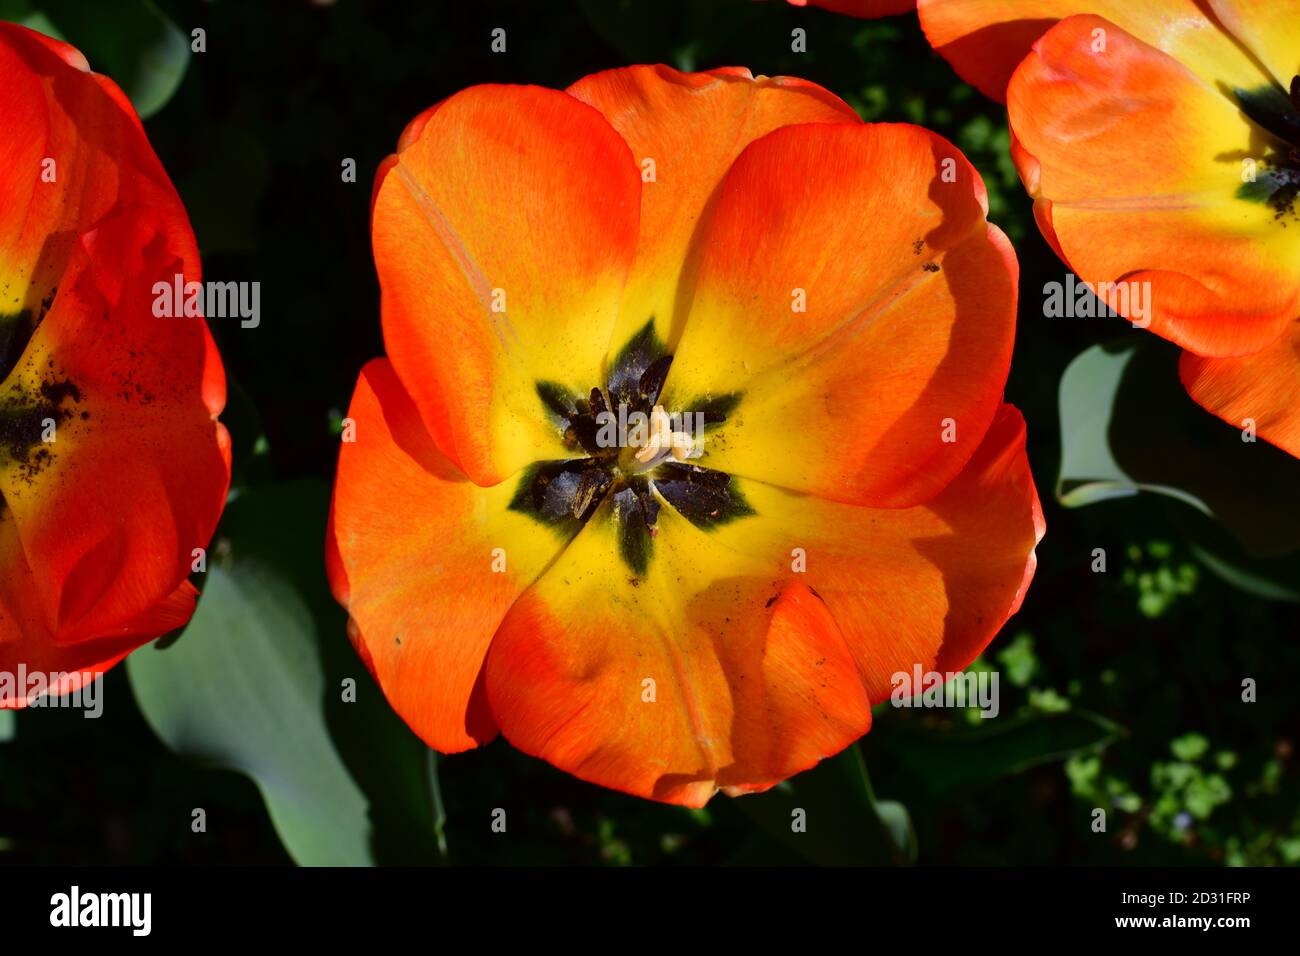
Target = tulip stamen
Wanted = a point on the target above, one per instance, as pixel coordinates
(663, 440)
(1278, 114)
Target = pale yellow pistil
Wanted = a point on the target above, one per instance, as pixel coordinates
(663, 440)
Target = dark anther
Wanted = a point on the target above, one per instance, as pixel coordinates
(703, 496)
(548, 492)
(696, 475)
(586, 431)
(632, 362)
(598, 406)
(652, 379)
(1273, 110)
(1295, 93)
(574, 414)
(649, 506)
(591, 484)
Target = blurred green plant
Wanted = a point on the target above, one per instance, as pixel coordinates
(1157, 579)
(131, 41)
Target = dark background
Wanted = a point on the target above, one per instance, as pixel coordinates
(1121, 689)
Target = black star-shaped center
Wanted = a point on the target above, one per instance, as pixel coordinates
(1277, 182)
(564, 494)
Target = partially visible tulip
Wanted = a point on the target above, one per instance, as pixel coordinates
(1161, 143)
(113, 466)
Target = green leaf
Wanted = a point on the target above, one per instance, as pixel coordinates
(254, 684)
(949, 758)
(1273, 579)
(8, 725)
(842, 823)
(1128, 426)
(131, 41)
(243, 688)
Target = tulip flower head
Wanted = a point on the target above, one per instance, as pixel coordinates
(1161, 144)
(690, 435)
(113, 466)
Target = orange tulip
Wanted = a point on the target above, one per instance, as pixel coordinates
(113, 467)
(814, 319)
(1161, 143)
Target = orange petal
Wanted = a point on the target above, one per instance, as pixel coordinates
(72, 150)
(1137, 165)
(686, 129)
(931, 584)
(985, 40)
(503, 231)
(425, 561)
(1263, 388)
(748, 649)
(691, 679)
(134, 473)
(858, 309)
(27, 643)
